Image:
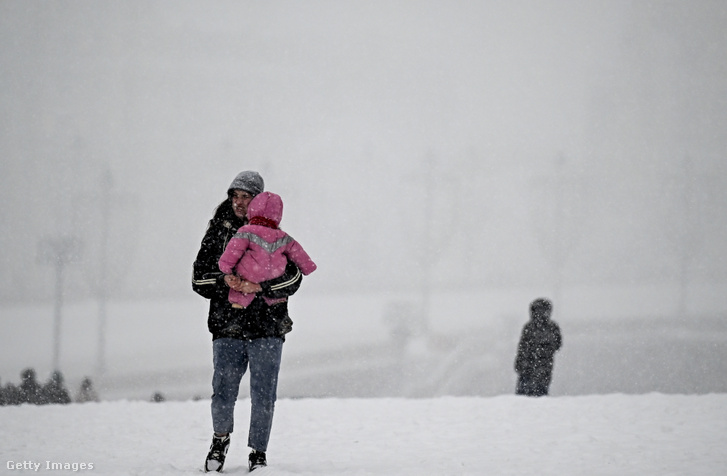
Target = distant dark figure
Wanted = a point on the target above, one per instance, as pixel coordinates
(55, 390)
(539, 342)
(3, 398)
(86, 393)
(158, 397)
(30, 389)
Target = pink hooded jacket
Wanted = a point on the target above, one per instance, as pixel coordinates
(259, 250)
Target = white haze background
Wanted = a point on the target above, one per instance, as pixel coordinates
(444, 160)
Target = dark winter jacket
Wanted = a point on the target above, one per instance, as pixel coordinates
(258, 319)
(540, 340)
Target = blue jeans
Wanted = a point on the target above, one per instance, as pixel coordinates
(231, 358)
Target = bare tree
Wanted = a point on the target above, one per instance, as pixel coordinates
(59, 252)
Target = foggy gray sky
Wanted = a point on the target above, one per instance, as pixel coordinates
(588, 136)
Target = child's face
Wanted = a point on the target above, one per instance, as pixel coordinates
(240, 200)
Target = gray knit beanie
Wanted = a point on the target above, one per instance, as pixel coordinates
(248, 181)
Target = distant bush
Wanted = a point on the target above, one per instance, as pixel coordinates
(52, 392)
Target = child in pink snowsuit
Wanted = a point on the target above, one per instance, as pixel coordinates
(259, 250)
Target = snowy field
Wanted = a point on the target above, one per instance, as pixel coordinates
(634, 394)
(620, 435)
(615, 341)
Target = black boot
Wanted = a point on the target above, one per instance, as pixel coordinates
(256, 460)
(218, 450)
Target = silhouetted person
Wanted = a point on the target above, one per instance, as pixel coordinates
(539, 342)
(55, 391)
(30, 390)
(86, 393)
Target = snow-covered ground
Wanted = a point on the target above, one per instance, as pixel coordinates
(342, 347)
(617, 340)
(651, 434)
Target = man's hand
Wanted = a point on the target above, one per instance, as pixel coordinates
(232, 281)
(246, 287)
(240, 285)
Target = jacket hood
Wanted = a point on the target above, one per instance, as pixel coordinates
(540, 309)
(266, 205)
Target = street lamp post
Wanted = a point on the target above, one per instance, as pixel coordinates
(58, 252)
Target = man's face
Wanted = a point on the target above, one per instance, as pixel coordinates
(240, 200)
